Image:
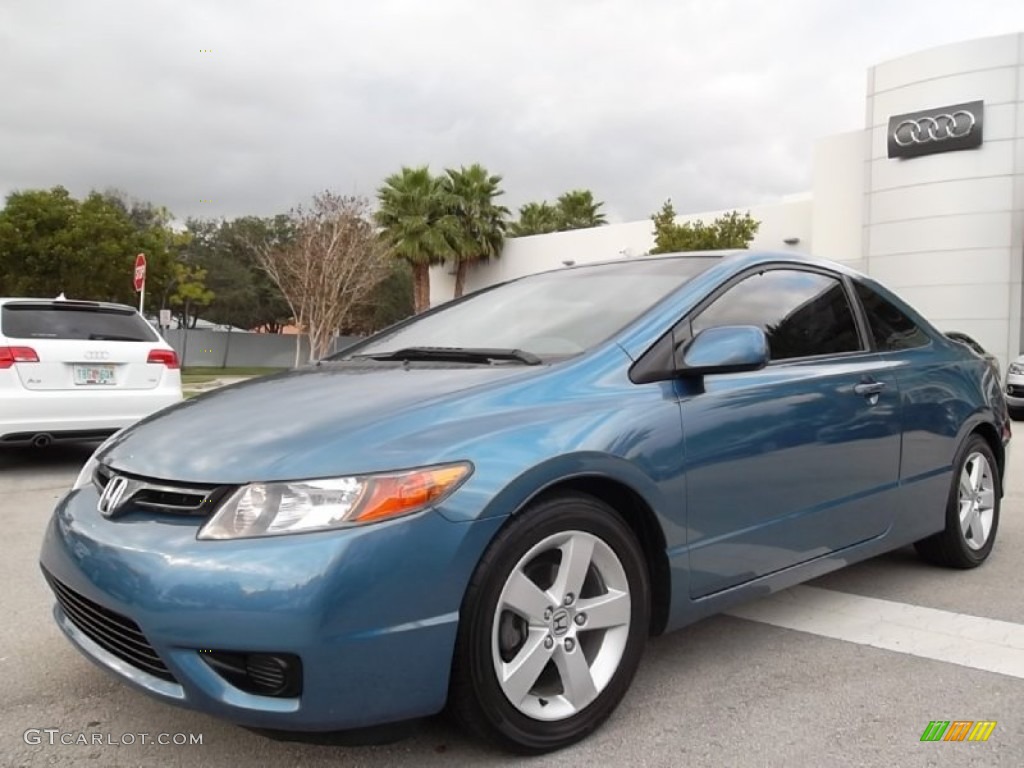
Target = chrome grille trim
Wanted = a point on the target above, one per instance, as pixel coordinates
(161, 496)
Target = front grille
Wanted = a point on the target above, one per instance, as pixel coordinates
(111, 631)
(1015, 390)
(173, 499)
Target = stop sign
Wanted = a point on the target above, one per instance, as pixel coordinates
(140, 272)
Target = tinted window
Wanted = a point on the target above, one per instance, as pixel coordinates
(803, 314)
(52, 322)
(891, 329)
(555, 313)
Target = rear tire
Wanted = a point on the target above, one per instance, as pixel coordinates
(972, 511)
(553, 626)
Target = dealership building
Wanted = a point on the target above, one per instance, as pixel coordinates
(927, 197)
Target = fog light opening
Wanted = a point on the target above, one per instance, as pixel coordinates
(264, 674)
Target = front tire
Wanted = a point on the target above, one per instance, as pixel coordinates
(972, 512)
(553, 626)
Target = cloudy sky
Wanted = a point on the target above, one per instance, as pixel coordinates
(254, 105)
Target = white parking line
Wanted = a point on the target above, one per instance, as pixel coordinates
(970, 641)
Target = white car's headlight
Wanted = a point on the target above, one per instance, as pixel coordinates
(1016, 369)
(85, 476)
(271, 509)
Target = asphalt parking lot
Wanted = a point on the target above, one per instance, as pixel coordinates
(728, 691)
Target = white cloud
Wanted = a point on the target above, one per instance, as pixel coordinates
(712, 103)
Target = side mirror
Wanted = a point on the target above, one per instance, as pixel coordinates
(726, 349)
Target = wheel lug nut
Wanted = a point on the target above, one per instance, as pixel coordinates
(570, 644)
(547, 614)
(581, 619)
(549, 643)
(570, 598)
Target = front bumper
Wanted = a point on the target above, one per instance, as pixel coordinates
(372, 612)
(1013, 389)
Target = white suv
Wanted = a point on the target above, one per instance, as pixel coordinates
(79, 370)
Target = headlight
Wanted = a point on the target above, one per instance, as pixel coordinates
(271, 509)
(85, 476)
(1016, 369)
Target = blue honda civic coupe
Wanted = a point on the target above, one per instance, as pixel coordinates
(491, 506)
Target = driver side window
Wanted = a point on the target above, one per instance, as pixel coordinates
(803, 314)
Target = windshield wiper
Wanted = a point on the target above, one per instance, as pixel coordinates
(456, 355)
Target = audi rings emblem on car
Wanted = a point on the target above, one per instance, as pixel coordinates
(938, 128)
(96, 355)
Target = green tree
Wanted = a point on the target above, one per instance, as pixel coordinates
(578, 209)
(480, 221)
(417, 225)
(535, 219)
(190, 293)
(389, 303)
(732, 230)
(244, 295)
(51, 243)
(141, 213)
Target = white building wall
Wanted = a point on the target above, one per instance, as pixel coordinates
(944, 230)
(838, 193)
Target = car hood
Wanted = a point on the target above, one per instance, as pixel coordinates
(303, 423)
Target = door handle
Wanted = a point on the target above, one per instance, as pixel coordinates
(869, 388)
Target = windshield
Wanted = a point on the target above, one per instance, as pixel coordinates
(558, 313)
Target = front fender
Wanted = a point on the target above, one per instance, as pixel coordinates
(580, 465)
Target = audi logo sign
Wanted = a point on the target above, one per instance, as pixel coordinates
(92, 355)
(944, 129)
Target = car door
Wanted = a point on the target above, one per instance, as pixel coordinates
(796, 460)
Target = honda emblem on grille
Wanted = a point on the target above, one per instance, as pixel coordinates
(112, 496)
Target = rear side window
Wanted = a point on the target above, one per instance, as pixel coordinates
(803, 314)
(49, 322)
(890, 327)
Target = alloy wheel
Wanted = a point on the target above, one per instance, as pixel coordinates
(561, 625)
(977, 501)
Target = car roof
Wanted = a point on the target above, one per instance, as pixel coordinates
(81, 303)
(742, 256)
(650, 257)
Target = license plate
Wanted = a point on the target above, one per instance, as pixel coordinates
(94, 374)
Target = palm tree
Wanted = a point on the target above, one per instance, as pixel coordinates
(481, 222)
(417, 224)
(579, 210)
(536, 219)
